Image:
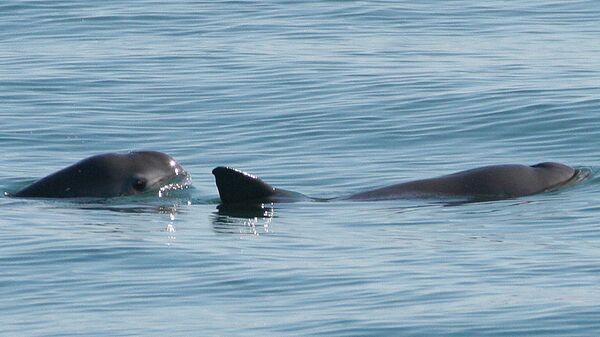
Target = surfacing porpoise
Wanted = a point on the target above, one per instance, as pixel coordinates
(110, 175)
(483, 183)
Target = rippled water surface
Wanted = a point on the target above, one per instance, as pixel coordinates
(328, 98)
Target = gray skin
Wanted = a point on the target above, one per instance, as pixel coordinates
(484, 183)
(109, 175)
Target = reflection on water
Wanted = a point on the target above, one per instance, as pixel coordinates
(133, 208)
(328, 99)
(243, 219)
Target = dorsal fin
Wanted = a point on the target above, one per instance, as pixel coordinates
(236, 186)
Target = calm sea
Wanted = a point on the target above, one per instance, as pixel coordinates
(327, 98)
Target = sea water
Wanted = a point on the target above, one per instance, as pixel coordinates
(327, 98)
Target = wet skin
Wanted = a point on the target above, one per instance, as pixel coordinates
(109, 175)
(489, 182)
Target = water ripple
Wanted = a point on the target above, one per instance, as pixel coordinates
(324, 97)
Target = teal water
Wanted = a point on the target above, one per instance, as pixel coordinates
(327, 98)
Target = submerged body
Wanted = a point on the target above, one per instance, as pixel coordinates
(109, 175)
(489, 182)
